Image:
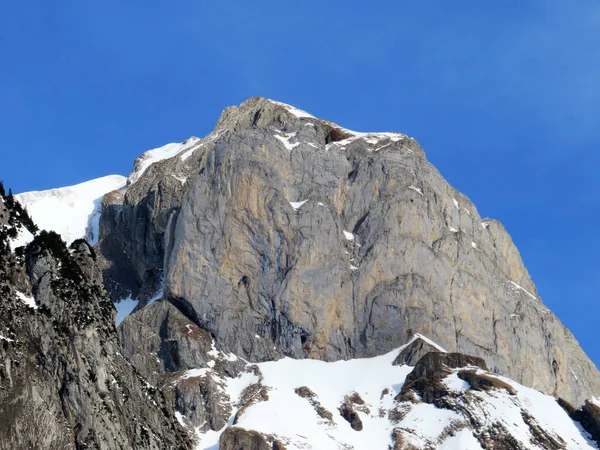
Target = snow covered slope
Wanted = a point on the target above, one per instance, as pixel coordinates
(360, 404)
(73, 211)
(148, 158)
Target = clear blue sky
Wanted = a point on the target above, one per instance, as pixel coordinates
(504, 96)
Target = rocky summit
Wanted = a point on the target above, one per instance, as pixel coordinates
(282, 283)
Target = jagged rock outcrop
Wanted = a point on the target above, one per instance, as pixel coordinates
(490, 412)
(63, 381)
(331, 244)
(239, 439)
(163, 344)
(414, 350)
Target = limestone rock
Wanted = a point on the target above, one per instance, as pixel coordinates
(290, 235)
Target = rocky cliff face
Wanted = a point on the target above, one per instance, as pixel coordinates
(63, 380)
(283, 234)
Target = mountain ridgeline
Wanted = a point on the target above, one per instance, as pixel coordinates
(299, 285)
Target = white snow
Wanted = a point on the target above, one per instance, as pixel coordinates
(485, 225)
(127, 305)
(23, 238)
(424, 423)
(456, 203)
(522, 289)
(297, 205)
(124, 308)
(506, 409)
(180, 418)
(181, 179)
(193, 373)
(29, 301)
(429, 341)
(372, 138)
(349, 236)
(293, 420)
(353, 267)
(286, 140)
(416, 189)
(3, 338)
(159, 154)
(369, 138)
(474, 245)
(381, 148)
(453, 230)
(72, 211)
(455, 383)
(463, 440)
(295, 111)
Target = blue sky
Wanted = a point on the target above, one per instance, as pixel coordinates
(504, 96)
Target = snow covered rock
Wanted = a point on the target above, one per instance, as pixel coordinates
(416, 348)
(447, 401)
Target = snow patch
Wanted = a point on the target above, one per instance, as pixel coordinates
(23, 238)
(286, 140)
(416, 189)
(297, 205)
(424, 422)
(349, 236)
(182, 180)
(455, 383)
(194, 373)
(456, 203)
(143, 162)
(295, 111)
(369, 138)
(463, 440)
(29, 301)
(522, 289)
(453, 230)
(429, 341)
(180, 418)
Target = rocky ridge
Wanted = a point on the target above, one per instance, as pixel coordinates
(63, 380)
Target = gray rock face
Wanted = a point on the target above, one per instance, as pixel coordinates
(414, 351)
(63, 381)
(330, 244)
(163, 344)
